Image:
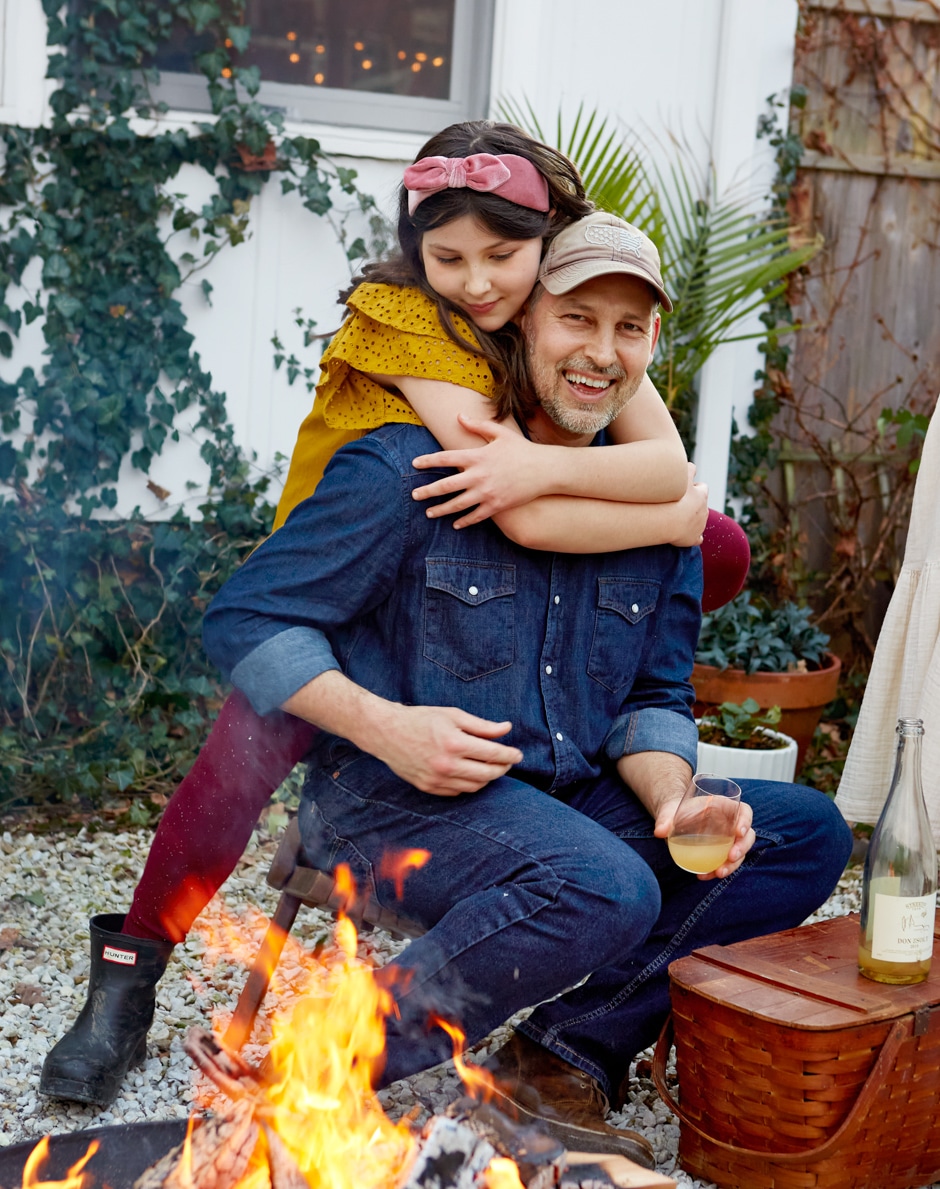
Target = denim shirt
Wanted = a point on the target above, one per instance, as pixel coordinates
(589, 655)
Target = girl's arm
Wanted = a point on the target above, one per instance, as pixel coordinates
(535, 493)
(647, 463)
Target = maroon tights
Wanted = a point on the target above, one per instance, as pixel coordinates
(208, 821)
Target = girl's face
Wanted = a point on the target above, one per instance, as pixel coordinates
(486, 277)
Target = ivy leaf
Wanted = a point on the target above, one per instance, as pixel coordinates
(239, 35)
(6, 345)
(67, 305)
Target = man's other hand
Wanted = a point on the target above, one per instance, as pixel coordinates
(445, 751)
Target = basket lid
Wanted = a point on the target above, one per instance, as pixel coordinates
(806, 976)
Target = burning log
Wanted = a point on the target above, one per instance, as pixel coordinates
(214, 1155)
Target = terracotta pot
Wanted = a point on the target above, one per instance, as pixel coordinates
(801, 696)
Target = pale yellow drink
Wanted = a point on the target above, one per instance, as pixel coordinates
(700, 853)
(898, 973)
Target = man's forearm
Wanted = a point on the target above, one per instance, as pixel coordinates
(437, 749)
(337, 705)
(658, 778)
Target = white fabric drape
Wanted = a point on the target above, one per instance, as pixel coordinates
(905, 677)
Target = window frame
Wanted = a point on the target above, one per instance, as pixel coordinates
(470, 82)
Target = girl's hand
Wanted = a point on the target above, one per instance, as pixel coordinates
(692, 511)
(502, 474)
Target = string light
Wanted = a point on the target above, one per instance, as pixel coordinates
(358, 45)
(421, 57)
(226, 72)
(366, 63)
(438, 62)
(321, 49)
(402, 55)
(415, 67)
(295, 58)
(291, 36)
(228, 43)
(318, 79)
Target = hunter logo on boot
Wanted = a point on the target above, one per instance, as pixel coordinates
(122, 957)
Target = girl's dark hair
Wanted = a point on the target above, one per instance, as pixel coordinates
(501, 349)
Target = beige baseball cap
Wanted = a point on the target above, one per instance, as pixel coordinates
(597, 245)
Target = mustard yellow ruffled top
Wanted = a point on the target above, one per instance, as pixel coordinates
(390, 331)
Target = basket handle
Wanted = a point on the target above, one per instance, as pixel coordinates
(861, 1106)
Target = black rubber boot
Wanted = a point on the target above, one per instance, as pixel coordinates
(110, 1035)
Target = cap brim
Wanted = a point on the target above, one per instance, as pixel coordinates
(570, 276)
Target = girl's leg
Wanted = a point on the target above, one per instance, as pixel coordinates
(726, 557)
(200, 839)
(206, 826)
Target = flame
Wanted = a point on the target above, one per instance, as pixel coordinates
(74, 1178)
(478, 1081)
(325, 1054)
(396, 865)
(502, 1173)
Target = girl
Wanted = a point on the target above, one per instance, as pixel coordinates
(429, 337)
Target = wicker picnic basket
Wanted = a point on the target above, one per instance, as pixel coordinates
(797, 1073)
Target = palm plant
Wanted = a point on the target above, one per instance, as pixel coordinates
(719, 259)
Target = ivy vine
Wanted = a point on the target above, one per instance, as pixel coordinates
(102, 681)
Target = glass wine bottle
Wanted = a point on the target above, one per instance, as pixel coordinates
(899, 884)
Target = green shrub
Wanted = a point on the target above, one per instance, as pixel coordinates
(754, 635)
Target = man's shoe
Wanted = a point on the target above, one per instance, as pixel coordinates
(110, 1035)
(535, 1086)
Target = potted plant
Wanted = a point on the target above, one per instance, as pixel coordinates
(750, 648)
(739, 740)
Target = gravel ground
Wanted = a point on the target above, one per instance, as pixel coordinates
(49, 887)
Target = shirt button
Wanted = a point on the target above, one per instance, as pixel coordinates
(557, 599)
(559, 736)
(635, 608)
(473, 590)
(548, 669)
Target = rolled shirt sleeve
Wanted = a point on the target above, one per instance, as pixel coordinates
(268, 629)
(657, 712)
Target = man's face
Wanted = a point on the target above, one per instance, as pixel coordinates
(588, 351)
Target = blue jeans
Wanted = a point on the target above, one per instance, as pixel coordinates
(526, 894)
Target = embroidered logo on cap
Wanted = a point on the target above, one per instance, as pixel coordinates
(122, 957)
(616, 238)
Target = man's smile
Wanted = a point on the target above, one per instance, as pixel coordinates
(588, 387)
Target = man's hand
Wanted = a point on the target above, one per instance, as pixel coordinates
(438, 749)
(659, 780)
(693, 510)
(445, 751)
(744, 837)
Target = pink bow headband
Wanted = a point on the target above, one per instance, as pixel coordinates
(508, 176)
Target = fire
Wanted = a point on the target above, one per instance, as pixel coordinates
(74, 1178)
(479, 1081)
(325, 1055)
(396, 865)
(502, 1174)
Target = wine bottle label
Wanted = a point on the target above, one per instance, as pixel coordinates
(903, 928)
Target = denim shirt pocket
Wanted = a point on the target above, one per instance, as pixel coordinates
(621, 623)
(469, 616)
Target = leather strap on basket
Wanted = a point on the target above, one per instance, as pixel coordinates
(860, 1108)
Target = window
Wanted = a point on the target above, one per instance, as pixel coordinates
(408, 65)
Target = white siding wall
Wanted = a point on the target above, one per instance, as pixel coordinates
(698, 68)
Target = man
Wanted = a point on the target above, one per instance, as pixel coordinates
(412, 646)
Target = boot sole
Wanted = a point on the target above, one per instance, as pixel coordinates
(582, 1139)
(100, 1092)
(73, 1091)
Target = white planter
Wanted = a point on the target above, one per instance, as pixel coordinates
(749, 764)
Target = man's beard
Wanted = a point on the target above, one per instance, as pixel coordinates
(562, 405)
